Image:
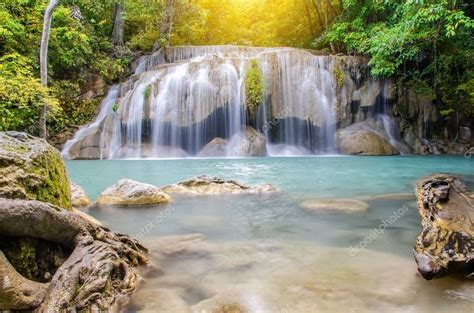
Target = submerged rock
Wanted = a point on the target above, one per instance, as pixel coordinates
(31, 169)
(446, 242)
(222, 303)
(357, 140)
(128, 192)
(79, 197)
(206, 185)
(336, 205)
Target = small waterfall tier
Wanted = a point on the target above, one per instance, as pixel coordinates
(192, 101)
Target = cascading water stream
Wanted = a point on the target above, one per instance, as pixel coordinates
(183, 99)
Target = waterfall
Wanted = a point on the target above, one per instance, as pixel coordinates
(181, 100)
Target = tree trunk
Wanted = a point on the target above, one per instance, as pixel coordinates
(166, 26)
(119, 23)
(310, 20)
(17, 292)
(48, 14)
(318, 14)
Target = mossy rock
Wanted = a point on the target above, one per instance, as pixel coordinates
(32, 169)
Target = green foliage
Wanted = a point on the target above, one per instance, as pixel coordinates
(21, 95)
(115, 107)
(79, 52)
(339, 76)
(417, 40)
(147, 92)
(254, 87)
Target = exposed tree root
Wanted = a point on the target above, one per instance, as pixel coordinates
(17, 292)
(98, 271)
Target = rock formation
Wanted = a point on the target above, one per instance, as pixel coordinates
(206, 185)
(217, 148)
(128, 192)
(359, 139)
(98, 270)
(79, 197)
(446, 242)
(32, 169)
(53, 258)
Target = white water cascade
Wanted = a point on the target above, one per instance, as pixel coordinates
(183, 99)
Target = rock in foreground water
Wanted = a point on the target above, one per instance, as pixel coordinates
(79, 196)
(32, 169)
(207, 185)
(335, 205)
(446, 242)
(128, 192)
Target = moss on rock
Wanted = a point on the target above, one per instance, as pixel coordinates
(32, 169)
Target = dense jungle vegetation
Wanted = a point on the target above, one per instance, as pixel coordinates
(93, 44)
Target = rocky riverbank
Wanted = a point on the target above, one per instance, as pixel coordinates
(51, 258)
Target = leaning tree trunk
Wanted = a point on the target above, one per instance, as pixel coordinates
(119, 23)
(48, 14)
(96, 274)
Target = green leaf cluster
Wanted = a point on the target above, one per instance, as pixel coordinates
(254, 87)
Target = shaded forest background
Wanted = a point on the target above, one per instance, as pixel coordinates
(424, 43)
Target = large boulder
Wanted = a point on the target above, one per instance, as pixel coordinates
(216, 148)
(206, 185)
(446, 242)
(79, 196)
(357, 140)
(128, 192)
(251, 143)
(31, 169)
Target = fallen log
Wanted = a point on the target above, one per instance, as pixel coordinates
(96, 274)
(446, 243)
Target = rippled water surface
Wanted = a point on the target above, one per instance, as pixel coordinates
(267, 253)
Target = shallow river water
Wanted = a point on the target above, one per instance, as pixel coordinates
(267, 253)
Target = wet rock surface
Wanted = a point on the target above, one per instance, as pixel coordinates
(335, 205)
(207, 185)
(79, 196)
(446, 242)
(128, 192)
(358, 140)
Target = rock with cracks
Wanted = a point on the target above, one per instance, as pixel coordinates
(207, 185)
(96, 274)
(446, 242)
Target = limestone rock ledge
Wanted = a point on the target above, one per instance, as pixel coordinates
(446, 242)
(207, 185)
